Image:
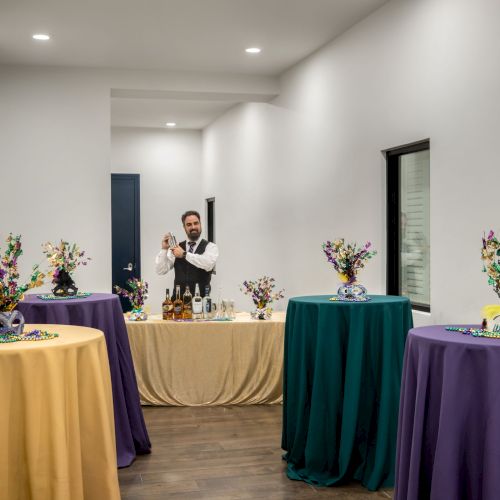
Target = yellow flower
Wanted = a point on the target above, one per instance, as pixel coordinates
(39, 280)
(343, 277)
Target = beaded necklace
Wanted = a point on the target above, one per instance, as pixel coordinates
(354, 299)
(474, 332)
(32, 336)
(51, 296)
(35, 335)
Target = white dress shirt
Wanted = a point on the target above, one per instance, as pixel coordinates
(165, 260)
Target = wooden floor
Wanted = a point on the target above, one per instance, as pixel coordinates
(220, 453)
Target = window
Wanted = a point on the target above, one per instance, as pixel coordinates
(408, 223)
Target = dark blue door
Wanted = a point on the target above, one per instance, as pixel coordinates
(125, 230)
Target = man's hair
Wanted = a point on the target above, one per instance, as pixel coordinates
(188, 213)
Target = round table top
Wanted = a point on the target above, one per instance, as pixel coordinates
(56, 417)
(102, 311)
(437, 334)
(33, 298)
(448, 436)
(341, 391)
(69, 336)
(325, 299)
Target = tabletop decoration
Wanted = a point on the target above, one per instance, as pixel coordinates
(8, 336)
(32, 336)
(63, 260)
(348, 260)
(51, 296)
(11, 292)
(490, 255)
(474, 332)
(35, 335)
(137, 296)
(261, 291)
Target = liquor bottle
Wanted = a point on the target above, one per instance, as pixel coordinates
(168, 306)
(207, 304)
(187, 308)
(197, 303)
(178, 303)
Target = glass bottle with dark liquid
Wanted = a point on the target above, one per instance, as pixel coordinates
(187, 308)
(178, 309)
(168, 306)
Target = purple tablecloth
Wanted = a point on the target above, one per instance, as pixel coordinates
(448, 444)
(103, 311)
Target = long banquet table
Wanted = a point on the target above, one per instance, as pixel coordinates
(57, 429)
(209, 362)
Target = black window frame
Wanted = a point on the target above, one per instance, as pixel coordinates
(210, 207)
(393, 156)
(210, 213)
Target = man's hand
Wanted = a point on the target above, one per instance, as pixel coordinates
(178, 252)
(164, 242)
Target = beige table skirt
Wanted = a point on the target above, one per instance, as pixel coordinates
(57, 434)
(209, 363)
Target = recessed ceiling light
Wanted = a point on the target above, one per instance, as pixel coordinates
(41, 36)
(170, 124)
(252, 50)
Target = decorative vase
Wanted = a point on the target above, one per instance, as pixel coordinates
(351, 291)
(11, 322)
(265, 312)
(138, 314)
(65, 286)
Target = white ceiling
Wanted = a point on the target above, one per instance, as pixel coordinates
(173, 35)
(156, 112)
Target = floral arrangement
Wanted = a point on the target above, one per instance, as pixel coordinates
(490, 254)
(261, 291)
(63, 257)
(10, 290)
(138, 294)
(347, 259)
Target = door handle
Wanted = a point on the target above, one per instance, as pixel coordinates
(130, 267)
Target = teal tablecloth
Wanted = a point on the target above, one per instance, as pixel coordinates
(343, 364)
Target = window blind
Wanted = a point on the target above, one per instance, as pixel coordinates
(415, 226)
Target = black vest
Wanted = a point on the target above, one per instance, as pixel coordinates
(188, 275)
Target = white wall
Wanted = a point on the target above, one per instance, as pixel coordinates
(55, 155)
(54, 161)
(169, 163)
(287, 175)
(308, 167)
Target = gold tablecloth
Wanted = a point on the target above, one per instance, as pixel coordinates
(210, 362)
(57, 438)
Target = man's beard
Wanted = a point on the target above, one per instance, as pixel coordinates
(194, 235)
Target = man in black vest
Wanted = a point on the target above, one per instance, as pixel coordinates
(193, 260)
